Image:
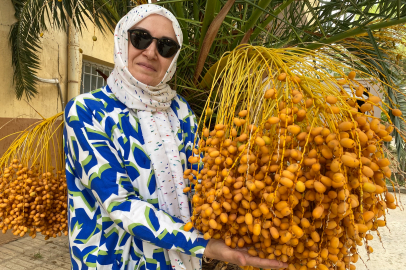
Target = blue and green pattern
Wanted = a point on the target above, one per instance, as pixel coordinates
(110, 225)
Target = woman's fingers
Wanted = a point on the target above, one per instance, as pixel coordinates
(264, 263)
(217, 249)
(239, 258)
(242, 258)
(233, 256)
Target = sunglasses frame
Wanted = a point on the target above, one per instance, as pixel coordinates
(152, 39)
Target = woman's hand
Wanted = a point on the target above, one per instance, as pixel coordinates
(217, 249)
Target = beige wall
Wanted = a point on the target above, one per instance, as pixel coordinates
(53, 59)
(100, 51)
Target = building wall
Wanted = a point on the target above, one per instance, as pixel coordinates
(18, 114)
(100, 51)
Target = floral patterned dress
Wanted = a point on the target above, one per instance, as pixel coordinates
(111, 226)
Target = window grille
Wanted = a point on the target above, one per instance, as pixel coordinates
(91, 79)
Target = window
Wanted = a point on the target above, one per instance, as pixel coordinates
(91, 79)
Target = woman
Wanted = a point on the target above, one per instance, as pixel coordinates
(126, 147)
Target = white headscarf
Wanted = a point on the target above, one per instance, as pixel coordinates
(158, 123)
(133, 93)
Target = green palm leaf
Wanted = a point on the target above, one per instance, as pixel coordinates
(25, 44)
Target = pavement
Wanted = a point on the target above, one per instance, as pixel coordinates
(35, 254)
(7, 237)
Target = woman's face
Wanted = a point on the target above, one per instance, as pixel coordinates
(148, 66)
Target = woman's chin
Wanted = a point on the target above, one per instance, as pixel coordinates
(145, 79)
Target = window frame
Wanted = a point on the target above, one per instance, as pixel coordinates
(93, 76)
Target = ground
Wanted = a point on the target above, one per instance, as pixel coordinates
(38, 254)
(35, 254)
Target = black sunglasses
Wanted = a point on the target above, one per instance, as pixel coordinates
(141, 40)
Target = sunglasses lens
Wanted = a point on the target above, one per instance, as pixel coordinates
(167, 48)
(140, 39)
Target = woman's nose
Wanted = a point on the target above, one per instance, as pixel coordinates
(152, 51)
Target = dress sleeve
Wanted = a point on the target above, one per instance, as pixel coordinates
(92, 157)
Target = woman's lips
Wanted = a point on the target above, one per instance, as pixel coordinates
(146, 66)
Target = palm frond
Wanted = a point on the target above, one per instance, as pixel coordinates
(33, 18)
(25, 43)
